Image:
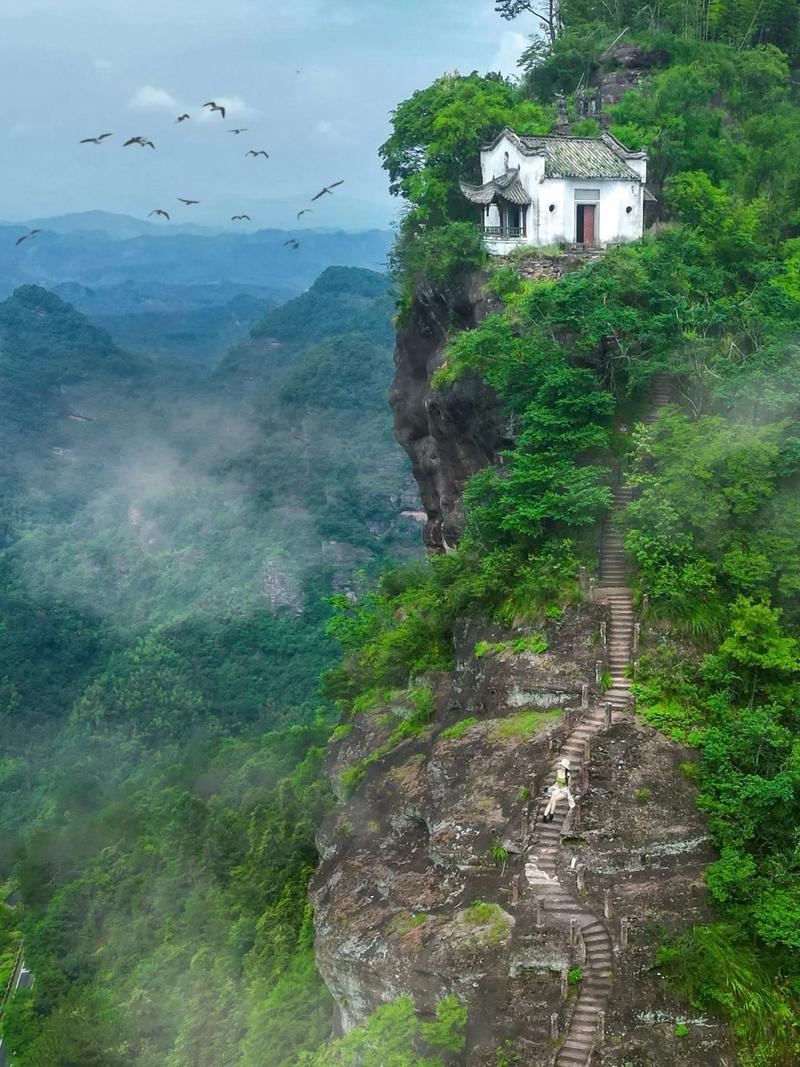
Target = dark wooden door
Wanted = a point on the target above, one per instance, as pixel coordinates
(588, 224)
(584, 234)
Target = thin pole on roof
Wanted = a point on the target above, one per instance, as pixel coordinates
(619, 35)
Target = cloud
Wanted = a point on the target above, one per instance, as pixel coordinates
(333, 132)
(510, 48)
(102, 64)
(150, 98)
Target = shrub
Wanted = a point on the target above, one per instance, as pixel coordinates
(458, 729)
(489, 919)
(499, 853)
(535, 644)
(526, 723)
(483, 648)
(716, 967)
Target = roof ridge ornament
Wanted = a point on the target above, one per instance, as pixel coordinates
(562, 125)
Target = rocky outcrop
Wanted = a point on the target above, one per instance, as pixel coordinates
(623, 67)
(451, 433)
(421, 886)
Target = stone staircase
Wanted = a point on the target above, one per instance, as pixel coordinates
(612, 589)
(558, 901)
(662, 391)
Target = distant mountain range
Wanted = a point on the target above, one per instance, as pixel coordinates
(99, 249)
(111, 224)
(171, 290)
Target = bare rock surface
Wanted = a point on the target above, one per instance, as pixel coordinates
(449, 434)
(412, 895)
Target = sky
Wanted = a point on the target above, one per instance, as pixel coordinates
(313, 82)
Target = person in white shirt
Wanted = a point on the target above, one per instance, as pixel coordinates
(558, 791)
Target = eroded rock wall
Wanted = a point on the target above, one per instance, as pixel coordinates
(449, 434)
(406, 857)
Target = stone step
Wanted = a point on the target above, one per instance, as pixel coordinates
(583, 1030)
(574, 1057)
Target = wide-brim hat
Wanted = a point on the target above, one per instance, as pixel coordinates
(564, 763)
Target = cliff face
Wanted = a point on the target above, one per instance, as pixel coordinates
(448, 434)
(405, 859)
(437, 874)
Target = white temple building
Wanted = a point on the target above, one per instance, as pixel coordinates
(587, 192)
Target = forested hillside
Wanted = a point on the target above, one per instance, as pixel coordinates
(168, 544)
(163, 624)
(175, 292)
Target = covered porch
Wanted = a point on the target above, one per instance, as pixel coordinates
(504, 205)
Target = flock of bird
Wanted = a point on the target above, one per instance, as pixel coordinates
(145, 142)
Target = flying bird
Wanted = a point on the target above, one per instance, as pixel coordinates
(158, 211)
(96, 140)
(292, 242)
(260, 152)
(239, 218)
(188, 203)
(183, 118)
(305, 211)
(25, 236)
(141, 141)
(242, 129)
(327, 189)
(215, 107)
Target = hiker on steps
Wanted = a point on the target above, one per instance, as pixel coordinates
(558, 791)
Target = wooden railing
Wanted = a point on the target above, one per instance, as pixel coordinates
(503, 231)
(10, 984)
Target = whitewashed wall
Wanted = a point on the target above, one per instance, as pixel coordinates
(613, 224)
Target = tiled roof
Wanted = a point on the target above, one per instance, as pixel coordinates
(508, 186)
(578, 157)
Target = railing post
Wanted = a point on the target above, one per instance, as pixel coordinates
(637, 632)
(539, 914)
(585, 695)
(598, 671)
(564, 984)
(608, 907)
(607, 712)
(581, 878)
(604, 633)
(515, 890)
(601, 1028)
(573, 933)
(587, 751)
(584, 779)
(577, 814)
(624, 929)
(554, 1026)
(645, 604)
(583, 579)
